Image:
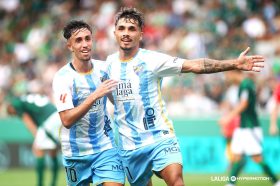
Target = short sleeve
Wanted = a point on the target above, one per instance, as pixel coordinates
(62, 92)
(164, 65)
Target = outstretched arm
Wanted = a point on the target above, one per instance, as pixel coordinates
(69, 117)
(243, 62)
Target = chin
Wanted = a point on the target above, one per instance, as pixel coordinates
(126, 48)
(86, 59)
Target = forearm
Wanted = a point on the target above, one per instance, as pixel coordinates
(69, 117)
(238, 109)
(273, 116)
(206, 66)
(29, 123)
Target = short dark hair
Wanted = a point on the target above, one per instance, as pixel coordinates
(130, 13)
(73, 26)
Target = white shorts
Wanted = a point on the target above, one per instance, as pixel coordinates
(247, 141)
(47, 136)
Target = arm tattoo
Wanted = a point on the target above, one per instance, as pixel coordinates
(212, 66)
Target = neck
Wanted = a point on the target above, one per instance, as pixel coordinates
(82, 66)
(127, 54)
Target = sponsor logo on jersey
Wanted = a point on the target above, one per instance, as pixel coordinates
(117, 167)
(107, 126)
(149, 119)
(173, 149)
(96, 105)
(124, 91)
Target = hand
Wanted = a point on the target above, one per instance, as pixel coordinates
(250, 63)
(106, 87)
(273, 129)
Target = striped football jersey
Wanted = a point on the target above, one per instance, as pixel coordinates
(93, 132)
(140, 114)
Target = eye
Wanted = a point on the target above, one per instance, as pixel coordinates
(121, 28)
(88, 38)
(78, 40)
(132, 28)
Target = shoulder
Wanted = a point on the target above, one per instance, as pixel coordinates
(63, 74)
(247, 83)
(112, 57)
(16, 101)
(151, 55)
(100, 65)
(64, 71)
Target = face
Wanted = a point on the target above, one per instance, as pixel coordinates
(128, 34)
(80, 44)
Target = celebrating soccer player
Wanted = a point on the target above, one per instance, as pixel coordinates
(87, 141)
(147, 139)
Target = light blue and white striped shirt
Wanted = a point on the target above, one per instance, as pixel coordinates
(140, 114)
(93, 132)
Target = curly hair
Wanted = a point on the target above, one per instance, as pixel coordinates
(130, 13)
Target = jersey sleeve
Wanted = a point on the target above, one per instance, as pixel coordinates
(164, 65)
(62, 92)
(244, 95)
(244, 90)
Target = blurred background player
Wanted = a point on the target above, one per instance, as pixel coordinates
(147, 138)
(42, 120)
(229, 102)
(87, 139)
(247, 138)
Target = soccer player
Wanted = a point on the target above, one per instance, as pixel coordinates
(41, 118)
(229, 102)
(146, 135)
(247, 139)
(273, 129)
(87, 141)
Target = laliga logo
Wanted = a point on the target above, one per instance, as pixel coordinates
(62, 97)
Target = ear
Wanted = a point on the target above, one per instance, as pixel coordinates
(69, 46)
(141, 36)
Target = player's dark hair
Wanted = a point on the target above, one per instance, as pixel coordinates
(73, 26)
(130, 13)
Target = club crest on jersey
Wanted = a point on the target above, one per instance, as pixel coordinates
(104, 76)
(137, 69)
(102, 79)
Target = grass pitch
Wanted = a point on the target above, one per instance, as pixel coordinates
(27, 177)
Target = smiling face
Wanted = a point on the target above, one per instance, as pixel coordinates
(80, 44)
(128, 35)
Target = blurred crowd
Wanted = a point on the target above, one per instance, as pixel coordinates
(33, 48)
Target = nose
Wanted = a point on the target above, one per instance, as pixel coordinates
(125, 32)
(85, 43)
